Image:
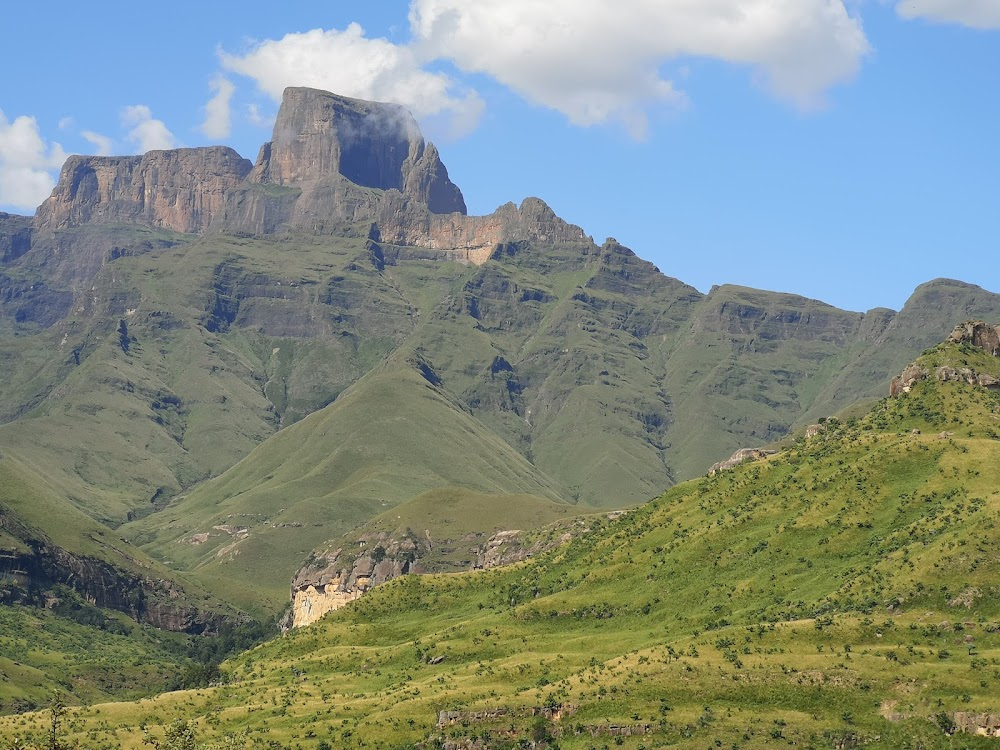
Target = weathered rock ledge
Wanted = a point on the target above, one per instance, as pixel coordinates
(972, 333)
(741, 456)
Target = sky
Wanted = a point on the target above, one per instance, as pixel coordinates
(844, 150)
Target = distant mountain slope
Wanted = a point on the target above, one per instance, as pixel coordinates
(163, 317)
(393, 436)
(837, 594)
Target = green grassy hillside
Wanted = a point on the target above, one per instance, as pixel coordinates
(841, 593)
(394, 436)
(456, 523)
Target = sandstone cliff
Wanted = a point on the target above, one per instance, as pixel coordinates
(181, 190)
(335, 578)
(470, 239)
(331, 581)
(332, 161)
(979, 334)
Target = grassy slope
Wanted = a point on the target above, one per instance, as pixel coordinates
(808, 598)
(457, 521)
(226, 339)
(40, 515)
(44, 655)
(391, 438)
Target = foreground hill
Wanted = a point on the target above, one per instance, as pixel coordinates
(837, 594)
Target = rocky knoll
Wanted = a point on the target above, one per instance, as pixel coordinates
(181, 190)
(741, 456)
(974, 333)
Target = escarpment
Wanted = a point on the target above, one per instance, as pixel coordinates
(331, 161)
(181, 190)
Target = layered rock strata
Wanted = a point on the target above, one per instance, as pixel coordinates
(332, 161)
(181, 190)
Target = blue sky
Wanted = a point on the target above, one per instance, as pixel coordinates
(846, 150)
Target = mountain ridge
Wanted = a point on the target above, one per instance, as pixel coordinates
(144, 360)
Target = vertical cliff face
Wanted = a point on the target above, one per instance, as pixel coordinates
(321, 137)
(181, 190)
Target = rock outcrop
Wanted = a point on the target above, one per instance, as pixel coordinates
(979, 334)
(740, 457)
(910, 375)
(37, 564)
(973, 333)
(181, 190)
(470, 239)
(333, 580)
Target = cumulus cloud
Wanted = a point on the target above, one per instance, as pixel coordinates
(349, 63)
(597, 61)
(145, 132)
(26, 163)
(218, 118)
(979, 14)
(103, 146)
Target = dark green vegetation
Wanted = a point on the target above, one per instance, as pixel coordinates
(844, 591)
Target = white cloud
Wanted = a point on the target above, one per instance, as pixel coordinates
(26, 163)
(145, 132)
(66, 123)
(348, 63)
(979, 14)
(256, 118)
(103, 145)
(597, 61)
(218, 118)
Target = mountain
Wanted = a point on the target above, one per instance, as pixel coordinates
(197, 345)
(840, 593)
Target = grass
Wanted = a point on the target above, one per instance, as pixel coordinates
(319, 478)
(840, 592)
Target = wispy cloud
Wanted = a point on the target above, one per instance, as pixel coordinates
(102, 144)
(979, 14)
(218, 116)
(147, 133)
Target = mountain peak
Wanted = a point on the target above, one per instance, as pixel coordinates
(321, 137)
